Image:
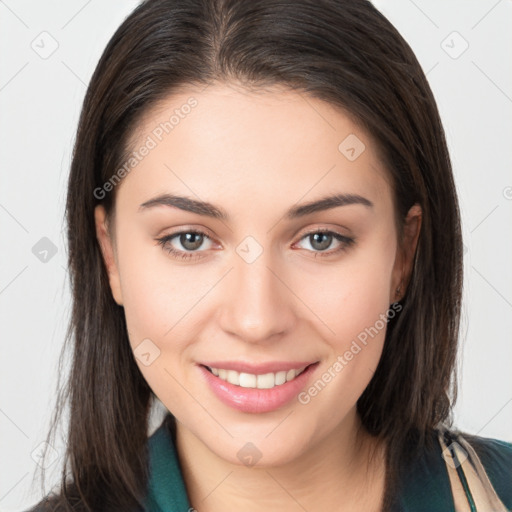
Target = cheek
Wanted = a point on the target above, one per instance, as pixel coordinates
(353, 304)
(156, 298)
(160, 300)
(352, 297)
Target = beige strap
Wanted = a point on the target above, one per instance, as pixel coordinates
(484, 495)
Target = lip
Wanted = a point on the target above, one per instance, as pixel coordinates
(258, 369)
(253, 400)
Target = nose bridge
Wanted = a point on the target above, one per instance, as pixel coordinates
(257, 304)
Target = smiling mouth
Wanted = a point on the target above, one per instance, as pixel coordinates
(262, 381)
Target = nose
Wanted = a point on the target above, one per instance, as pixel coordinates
(258, 305)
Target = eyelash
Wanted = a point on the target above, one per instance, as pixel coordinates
(163, 241)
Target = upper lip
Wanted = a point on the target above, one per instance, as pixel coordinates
(258, 368)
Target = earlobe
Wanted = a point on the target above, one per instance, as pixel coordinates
(108, 253)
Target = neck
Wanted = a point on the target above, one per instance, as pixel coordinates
(344, 471)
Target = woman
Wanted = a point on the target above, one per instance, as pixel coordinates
(264, 235)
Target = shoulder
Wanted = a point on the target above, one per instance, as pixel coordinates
(425, 484)
(492, 450)
(496, 458)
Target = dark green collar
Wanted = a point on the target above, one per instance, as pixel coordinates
(166, 490)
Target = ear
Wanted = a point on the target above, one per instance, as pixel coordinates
(108, 252)
(405, 256)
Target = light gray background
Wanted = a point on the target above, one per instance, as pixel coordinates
(40, 99)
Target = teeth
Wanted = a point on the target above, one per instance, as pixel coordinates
(233, 377)
(266, 381)
(280, 378)
(249, 380)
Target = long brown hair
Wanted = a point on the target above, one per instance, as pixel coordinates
(344, 52)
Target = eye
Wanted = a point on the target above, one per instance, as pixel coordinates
(190, 240)
(321, 240)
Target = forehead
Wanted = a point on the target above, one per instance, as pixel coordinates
(271, 144)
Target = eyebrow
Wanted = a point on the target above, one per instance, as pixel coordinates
(207, 209)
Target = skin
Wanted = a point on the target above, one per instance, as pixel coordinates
(256, 154)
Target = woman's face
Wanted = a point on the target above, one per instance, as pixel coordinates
(257, 285)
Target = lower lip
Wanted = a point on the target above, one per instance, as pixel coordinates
(257, 400)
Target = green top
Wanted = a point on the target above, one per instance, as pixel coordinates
(424, 488)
